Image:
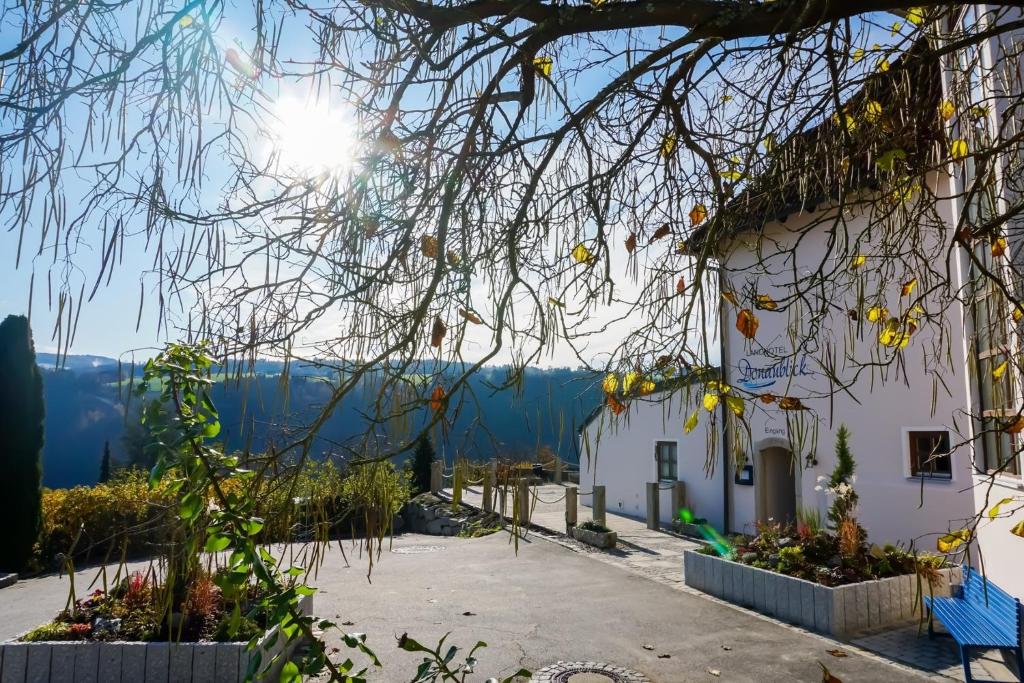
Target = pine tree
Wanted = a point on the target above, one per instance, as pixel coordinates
(105, 463)
(422, 461)
(21, 424)
(841, 481)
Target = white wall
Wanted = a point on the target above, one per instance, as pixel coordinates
(618, 452)
(878, 405)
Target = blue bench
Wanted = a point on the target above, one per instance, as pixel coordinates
(979, 615)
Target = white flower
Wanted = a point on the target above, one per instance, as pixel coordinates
(821, 478)
(817, 488)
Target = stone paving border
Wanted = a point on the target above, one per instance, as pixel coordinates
(8, 580)
(562, 671)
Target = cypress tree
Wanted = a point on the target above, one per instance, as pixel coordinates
(105, 463)
(421, 462)
(21, 424)
(842, 478)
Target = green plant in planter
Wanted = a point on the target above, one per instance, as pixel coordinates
(212, 518)
(791, 560)
(594, 526)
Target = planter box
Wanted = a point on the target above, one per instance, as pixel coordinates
(841, 612)
(125, 662)
(598, 539)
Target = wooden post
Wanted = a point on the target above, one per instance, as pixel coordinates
(435, 477)
(488, 499)
(598, 509)
(678, 498)
(523, 496)
(558, 470)
(570, 507)
(653, 512)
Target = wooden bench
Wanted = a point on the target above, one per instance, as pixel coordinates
(979, 615)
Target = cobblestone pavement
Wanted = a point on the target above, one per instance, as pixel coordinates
(657, 555)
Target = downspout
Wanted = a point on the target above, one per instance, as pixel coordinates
(723, 349)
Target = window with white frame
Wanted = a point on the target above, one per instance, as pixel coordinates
(665, 455)
(929, 454)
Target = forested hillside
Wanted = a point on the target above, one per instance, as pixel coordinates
(85, 409)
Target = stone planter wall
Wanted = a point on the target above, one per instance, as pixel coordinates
(85, 662)
(841, 612)
(598, 539)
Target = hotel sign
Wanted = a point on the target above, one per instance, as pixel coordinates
(763, 368)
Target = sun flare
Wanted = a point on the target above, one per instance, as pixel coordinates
(311, 138)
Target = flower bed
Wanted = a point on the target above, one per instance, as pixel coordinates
(594, 534)
(840, 611)
(113, 660)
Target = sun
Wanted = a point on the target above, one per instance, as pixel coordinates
(312, 138)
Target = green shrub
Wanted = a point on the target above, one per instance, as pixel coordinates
(594, 526)
(55, 630)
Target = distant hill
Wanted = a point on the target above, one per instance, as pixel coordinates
(87, 406)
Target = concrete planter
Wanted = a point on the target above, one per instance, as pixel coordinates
(841, 612)
(599, 539)
(125, 662)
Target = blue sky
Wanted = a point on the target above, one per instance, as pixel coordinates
(108, 323)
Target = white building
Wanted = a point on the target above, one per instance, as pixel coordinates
(921, 471)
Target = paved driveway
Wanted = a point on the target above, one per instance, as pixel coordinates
(546, 603)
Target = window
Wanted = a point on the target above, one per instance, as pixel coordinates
(929, 455)
(665, 454)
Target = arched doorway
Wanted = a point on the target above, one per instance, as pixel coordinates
(775, 485)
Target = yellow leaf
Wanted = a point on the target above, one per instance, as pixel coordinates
(877, 313)
(994, 510)
(185, 21)
(730, 297)
(543, 65)
(872, 111)
(555, 302)
(697, 214)
(710, 402)
(951, 542)
(1017, 314)
(894, 334)
(646, 387)
(597, 3)
(845, 120)
(1015, 427)
(691, 423)
(732, 174)
(896, 26)
(768, 143)
(726, 98)
(908, 287)
(915, 15)
(766, 303)
(958, 149)
(858, 261)
(883, 64)
(735, 404)
(747, 323)
(1018, 529)
(858, 55)
(999, 246)
(629, 380)
(668, 144)
(1000, 369)
(610, 383)
(946, 110)
(582, 254)
(453, 258)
